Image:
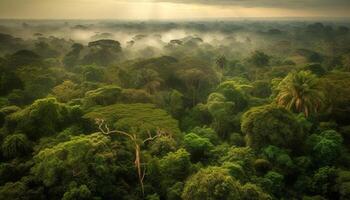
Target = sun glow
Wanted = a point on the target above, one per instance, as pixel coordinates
(144, 10)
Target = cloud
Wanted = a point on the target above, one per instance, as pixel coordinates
(170, 9)
(291, 4)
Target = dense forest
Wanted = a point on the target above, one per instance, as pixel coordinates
(206, 110)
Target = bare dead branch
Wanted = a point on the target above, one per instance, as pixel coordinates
(144, 173)
(101, 122)
(151, 138)
(133, 137)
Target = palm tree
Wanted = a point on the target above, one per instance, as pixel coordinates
(300, 92)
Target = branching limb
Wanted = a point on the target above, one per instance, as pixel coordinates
(133, 137)
(150, 138)
(107, 131)
(144, 173)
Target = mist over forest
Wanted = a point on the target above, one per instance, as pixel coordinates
(137, 36)
(245, 109)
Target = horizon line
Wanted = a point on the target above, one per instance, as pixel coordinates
(184, 19)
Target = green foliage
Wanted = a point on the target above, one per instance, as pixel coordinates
(18, 97)
(148, 79)
(175, 165)
(315, 69)
(3, 102)
(253, 192)
(243, 156)
(261, 89)
(71, 59)
(63, 136)
(175, 191)
(337, 94)
(212, 183)
(279, 157)
(135, 96)
(198, 78)
(102, 52)
(106, 95)
(77, 193)
(303, 184)
(86, 159)
(326, 147)
(262, 166)
(276, 181)
(152, 197)
(92, 73)
(66, 91)
(15, 146)
(235, 91)
(221, 112)
(11, 190)
(4, 111)
(237, 139)
(173, 169)
(37, 81)
(259, 59)
(8, 82)
(218, 152)
(323, 181)
(343, 182)
(176, 103)
(197, 116)
(301, 92)
(303, 163)
(143, 117)
(317, 197)
(43, 117)
(224, 104)
(235, 170)
(22, 58)
(162, 145)
(198, 147)
(271, 125)
(14, 170)
(206, 132)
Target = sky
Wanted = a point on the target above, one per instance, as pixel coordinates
(170, 9)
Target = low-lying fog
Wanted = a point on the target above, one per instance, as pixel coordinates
(224, 36)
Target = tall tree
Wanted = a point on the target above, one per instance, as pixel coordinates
(197, 82)
(102, 52)
(259, 59)
(149, 79)
(72, 58)
(301, 92)
(221, 62)
(137, 146)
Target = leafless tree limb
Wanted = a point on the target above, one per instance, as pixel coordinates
(103, 127)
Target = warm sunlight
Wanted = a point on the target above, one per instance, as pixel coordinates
(160, 10)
